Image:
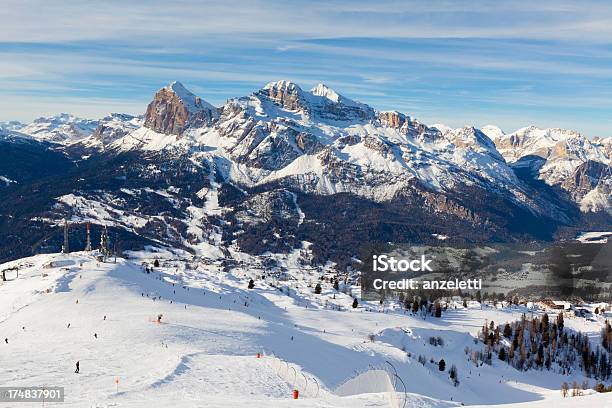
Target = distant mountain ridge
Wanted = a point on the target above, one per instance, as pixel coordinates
(316, 166)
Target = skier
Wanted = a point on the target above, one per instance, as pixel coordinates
(77, 368)
(6, 340)
(68, 326)
(104, 317)
(96, 335)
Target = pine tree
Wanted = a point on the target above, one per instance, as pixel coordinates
(355, 303)
(336, 284)
(442, 365)
(251, 284)
(407, 304)
(545, 321)
(318, 289)
(507, 331)
(438, 310)
(560, 321)
(452, 373)
(502, 354)
(540, 357)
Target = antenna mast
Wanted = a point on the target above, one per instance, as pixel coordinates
(88, 240)
(65, 248)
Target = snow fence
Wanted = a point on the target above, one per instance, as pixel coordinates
(376, 380)
(373, 381)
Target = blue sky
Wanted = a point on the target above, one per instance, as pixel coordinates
(475, 62)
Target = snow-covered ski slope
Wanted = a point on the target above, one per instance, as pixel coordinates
(203, 353)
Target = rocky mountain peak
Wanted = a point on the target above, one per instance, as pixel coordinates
(174, 109)
(283, 85)
(115, 126)
(392, 119)
(326, 92)
(321, 103)
(493, 132)
(442, 127)
(286, 94)
(194, 103)
(469, 137)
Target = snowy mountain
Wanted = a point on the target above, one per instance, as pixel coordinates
(316, 165)
(566, 158)
(174, 109)
(12, 125)
(283, 132)
(111, 128)
(63, 128)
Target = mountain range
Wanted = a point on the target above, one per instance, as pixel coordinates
(285, 168)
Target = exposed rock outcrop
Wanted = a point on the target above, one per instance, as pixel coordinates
(174, 109)
(585, 177)
(115, 126)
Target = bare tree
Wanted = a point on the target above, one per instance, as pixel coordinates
(564, 389)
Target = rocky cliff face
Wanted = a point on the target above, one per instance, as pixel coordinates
(567, 158)
(585, 178)
(287, 95)
(174, 109)
(115, 126)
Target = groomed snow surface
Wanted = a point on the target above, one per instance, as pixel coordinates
(204, 351)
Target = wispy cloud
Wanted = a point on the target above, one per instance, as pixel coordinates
(453, 61)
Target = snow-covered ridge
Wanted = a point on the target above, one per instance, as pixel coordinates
(284, 132)
(12, 125)
(63, 128)
(579, 165)
(7, 181)
(194, 103)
